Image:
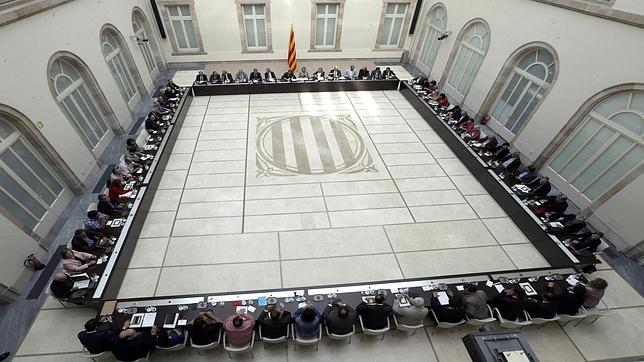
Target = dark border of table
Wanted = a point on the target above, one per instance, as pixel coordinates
(295, 87)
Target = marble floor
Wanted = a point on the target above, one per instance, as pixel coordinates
(285, 185)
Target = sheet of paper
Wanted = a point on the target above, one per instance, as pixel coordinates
(251, 309)
(529, 290)
(182, 322)
(242, 309)
(460, 288)
(301, 305)
(136, 320)
(443, 298)
(572, 280)
(427, 288)
(499, 287)
(148, 319)
(489, 283)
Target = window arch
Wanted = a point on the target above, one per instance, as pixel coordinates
(533, 72)
(73, 92)
(113, 49)
(436, 24)
(28, 184)
(474, 43)
(149, 48)
(604, 147)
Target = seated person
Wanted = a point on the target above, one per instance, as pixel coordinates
(107, 207)
(442, 100)
(376, 73)
(215, 78)
(152, 123)
(175, 88)
(307, 322)
(430, 86)
(554, 204)
(288, 76)
(163, 102)
(61, 287)
(475, 302)
(569, 301)
(528, 175)
(274, 322)
(116, 191)
(587, 241)
(201, 78)
(595, 290)
(239, 329)
(542, 307)
(241, 77)
(269, 76)
(87, 241)
(170, 93)
(487, 145)
(466, 126)
(500, 153)
(98, 341)
(76, 261)
(455, 114)
(167, 338)
(128, 166)
(335, 73)
(319, 74)
(226, 77)
(117, 175)
(539, 188)
(510, 164)
(472, 135)
(95, 221)
(511, 302)
(363, 73)
(351, 72)
(255, 76)
(339, 317)
(419, 80)
(413, 314)
(131, 345)
(569, 227)
(304, 73)
(133, 151)
(453, 312)
(205, 328)
(388, 73)
(375, 316)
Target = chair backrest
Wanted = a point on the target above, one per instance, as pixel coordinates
(373, 330)
(261, 336)
(93, 206)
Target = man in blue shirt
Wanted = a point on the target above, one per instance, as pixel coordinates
(307, 322)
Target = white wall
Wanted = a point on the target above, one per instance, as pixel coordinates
(594, 54)
(632, 6)
(25, 49)
(219, 29)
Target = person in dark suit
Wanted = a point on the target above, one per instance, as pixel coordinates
(97, 340)
(288, 76)
(226, 77)
(570, 301)
(539, 188)
(130, 345)
(61, 287)
(572, 226)
(454, 312)
(388, 73)
(88, 241)
(153, 123)
(542, 307)
(319, 74)
(255, 76)
(339, 317)
(363, 73)
(269, 76)
(510, 164)
(511, 302)
(587, 241)
(107, 207)
(205, 328)
(528, 175)
(376, 73)
(554, 204)
(274, 322)
(375, 316)
(201, 78)
(335, 73)
(241, 77)
(500, 152)
(215, 78)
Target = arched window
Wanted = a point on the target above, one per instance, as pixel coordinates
(28, 187)
(604, 147)
(77, 100)
(436, 24)
(145, 40)
(111, 44)
(471, 53)
(532, 74)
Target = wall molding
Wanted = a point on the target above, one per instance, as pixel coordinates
(598, 10)
(20, 9)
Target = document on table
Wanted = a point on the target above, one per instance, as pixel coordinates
(443, 298)
(529, 290)
(499, 287)
(572, 280)
(489, 283)
(148, 319)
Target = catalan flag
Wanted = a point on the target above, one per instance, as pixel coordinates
(292, 54)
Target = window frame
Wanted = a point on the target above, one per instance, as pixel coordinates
(117, 62)
(242, 27)
(430, 29)
(404, 27)
(169, 28)
(141, 20)
(339, 16)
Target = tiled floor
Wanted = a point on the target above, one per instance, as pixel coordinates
(353, 183)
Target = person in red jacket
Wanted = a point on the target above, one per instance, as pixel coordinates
(115, 191)
(442, 100)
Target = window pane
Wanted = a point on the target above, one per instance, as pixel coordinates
(544, 56)
(27, 176)
(248, 9)
(616, 173)
(319, 31)
(612, 105)
(538, 71)
(69, 70)
(527, 59)
(21, 195)
(250, 33)
(586, 152)
(62, 83)
(178, 31)
(174, 10)
(401, 8)
(391, 8)
(94, 115)
(330, 31)
(5, 129)
(637, 101)
(80, 122)
(261, 33)
(192, 37)
(630, 121)
(523, 108)
(332, 8)
(612, 153)
(185, 10)
(582, 135)
(396, 31)
(17, 211)
(321, 9)
(259, 9)
(36, 166)
(386, 29)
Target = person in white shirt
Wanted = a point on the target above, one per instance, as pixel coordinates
(350, 73)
